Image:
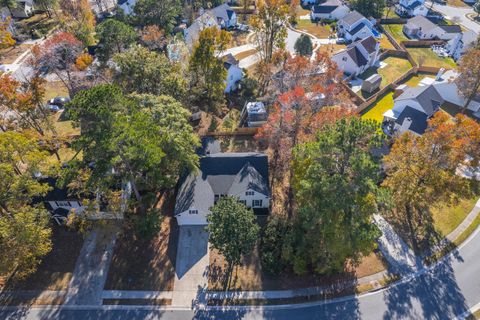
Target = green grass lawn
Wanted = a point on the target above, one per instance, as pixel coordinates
(396, 30)
(317, 30)
(385, 43)
(426, 57)
(446, 218)
(391, 15)
(382, 104)
(394, 69)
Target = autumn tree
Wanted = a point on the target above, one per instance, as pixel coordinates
(153, 37)
(336, 179)
(144, 71)
(469, 80)
(146, 139)
(208, 75)
(6, 39)
(114, 37)
(159, 13)
(78, 19)
(24, 232)
(421, 170)
(369, 8)
(58, 54)
(303, 46)
(270, 27)
(232, 231)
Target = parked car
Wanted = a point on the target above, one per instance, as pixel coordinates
(53, 108)
(341, 41)
(59, 101)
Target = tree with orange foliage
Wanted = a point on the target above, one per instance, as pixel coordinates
(422, 170)
(469, 80)
(78, 19)
(83, 61)
(6, 40)
(58, 54)
(153, 37)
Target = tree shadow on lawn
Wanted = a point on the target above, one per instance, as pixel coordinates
(431, 295)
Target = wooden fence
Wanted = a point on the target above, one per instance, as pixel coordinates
(422, 43)
(393, 21)
(238, 132)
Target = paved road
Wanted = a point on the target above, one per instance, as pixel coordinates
(457, 15)
(445, 292)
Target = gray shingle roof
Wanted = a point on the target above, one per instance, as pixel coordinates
(324, 8)
(451, 29)
(419, 119)
(357, 56)
(352, 17)
(427, 96)
(420, 22)
(369, 43)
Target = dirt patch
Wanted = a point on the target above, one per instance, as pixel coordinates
(56, 268)
(140, 264)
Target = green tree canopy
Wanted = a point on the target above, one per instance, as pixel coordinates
(303, 45)
(369, 8)
(232, 228)
(336, 180)
(160, 13)
(144, 71)
(114, 37)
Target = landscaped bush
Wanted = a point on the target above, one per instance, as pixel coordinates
(272, 245)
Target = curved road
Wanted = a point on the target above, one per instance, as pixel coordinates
(446, 291)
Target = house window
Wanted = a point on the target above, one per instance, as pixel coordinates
(63, 203)
(193, 211)
(257, 203)
(249, 193)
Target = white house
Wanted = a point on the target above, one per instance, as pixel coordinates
(234, 72)
(330, 10)
(243, 175)
(422, 28)
(354, 26)
(411, 8)
(415, 105)
(127, 6)
(461, 43)
(358, 56)
(226, 17)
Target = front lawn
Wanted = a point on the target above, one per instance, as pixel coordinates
(56, 268)
(142, 264)
(396, 30)
(426, 57)
(331, 48)
(376, 111)
(316, 29)
(447, 217)
(250, 277)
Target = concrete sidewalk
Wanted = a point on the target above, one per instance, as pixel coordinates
(400, 256)
(191, 271)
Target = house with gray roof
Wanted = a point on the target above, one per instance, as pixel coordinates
(358, 56)
(329, 10)
(457, 46)
(411, 8)
(354, 26)
(242, 175)
(423, 28)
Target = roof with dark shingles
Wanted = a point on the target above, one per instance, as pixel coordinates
(357, 28)
(419, 119)
(427, 96)
(369, 43)
(324, 9)
(357, 56)
(451, 29)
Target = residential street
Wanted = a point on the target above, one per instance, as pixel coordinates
(457, 15)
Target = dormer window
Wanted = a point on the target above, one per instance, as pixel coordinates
(193, 211)
(249, 193)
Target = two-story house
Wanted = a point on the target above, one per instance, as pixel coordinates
(354, 26)
(234, 72)
(463, 41)
(358, 56)
(411, 8)
(422, 28)
(329, 10)
(243, 175)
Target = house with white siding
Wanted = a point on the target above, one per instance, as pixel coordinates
(355, 26)
(358, 56)
(329, 10)
(422, 28)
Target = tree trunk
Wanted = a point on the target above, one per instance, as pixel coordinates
(413, 236)
(474, 93)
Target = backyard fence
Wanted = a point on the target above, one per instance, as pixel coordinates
(393, 21)
(422, 43)
(236, 133)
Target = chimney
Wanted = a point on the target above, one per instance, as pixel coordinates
(440, 74)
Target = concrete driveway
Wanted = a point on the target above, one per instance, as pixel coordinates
(191, 266)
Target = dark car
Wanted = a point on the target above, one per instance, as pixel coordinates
(59, 101)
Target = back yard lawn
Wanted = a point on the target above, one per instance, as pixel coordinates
(426, 57)
(316, 29)
(331, 48)
(396, 30)
(41, 23)
(141, 264)
(250, 277)
(385, 43)
(377, 110)
(56, 268)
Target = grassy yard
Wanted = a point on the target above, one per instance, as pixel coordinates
(457, 3)
(377, 110)
(41, 23)
(313, 28)
(244, 54)
(426, 57)
(447, 217)
(396, 30)
(54, 89)
(391, 15)
(56, 268)
(394, 69)
(331, 48)
(385, 43)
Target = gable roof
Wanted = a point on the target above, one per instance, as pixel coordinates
(357, 56)
(248, 178)
(420, 22)
(229, 60)
(324, 8)
(222, 11)
(352, 18)
(451, 28)
(426, 96)
(419, 120)
(369, 43)
(359, 27)
(198, 25)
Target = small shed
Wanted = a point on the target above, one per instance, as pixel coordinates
(372, 83)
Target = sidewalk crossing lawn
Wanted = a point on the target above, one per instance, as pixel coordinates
(426, 57)
(382, 104)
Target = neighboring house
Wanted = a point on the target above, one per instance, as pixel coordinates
(358, 57)
(355, 26)
(60, 203)
(127, 6)
(411, 8)
(222, 17)
(415, 105)
(234, 72)
(24, 9)
(461, 43)
(243, 175)
(422, 28)
(330, 10)
(309, 2)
